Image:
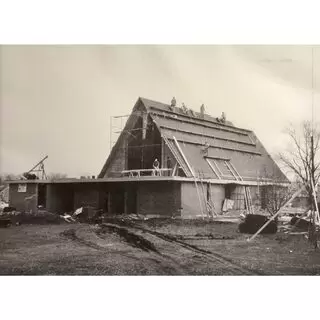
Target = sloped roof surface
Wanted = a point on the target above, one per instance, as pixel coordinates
(159, 106)
(192, 131)
(240, 146)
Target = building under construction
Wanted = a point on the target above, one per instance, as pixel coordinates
(203, 165)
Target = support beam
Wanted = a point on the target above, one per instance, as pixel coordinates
(276, 214)
(183, 156)
(213, 169)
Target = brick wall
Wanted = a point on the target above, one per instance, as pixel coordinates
(159, 198)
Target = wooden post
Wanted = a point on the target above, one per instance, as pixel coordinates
(315, 202)
(276, 214)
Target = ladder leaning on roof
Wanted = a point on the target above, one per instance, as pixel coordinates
(178, 157)
(208, 203)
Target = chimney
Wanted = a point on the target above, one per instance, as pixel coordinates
(202, 110)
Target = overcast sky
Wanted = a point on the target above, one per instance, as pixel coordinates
(57, 100)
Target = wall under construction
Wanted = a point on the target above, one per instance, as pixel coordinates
(159, 197)
(24, 197)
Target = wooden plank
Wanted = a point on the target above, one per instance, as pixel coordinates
(176, 155)
(207, 135)
(216, 165)
(183, 156)
(214, 125)
(236, 171)
(227, 164)
(216, 157)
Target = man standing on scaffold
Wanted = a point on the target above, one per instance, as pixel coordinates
(156, 168)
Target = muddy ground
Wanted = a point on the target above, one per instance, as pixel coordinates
(152, 247)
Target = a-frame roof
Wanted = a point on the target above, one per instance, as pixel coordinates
(240, 148)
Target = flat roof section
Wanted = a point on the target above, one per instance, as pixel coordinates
(145, 178)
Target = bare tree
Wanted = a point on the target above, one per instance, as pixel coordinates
(275, 193)
(298, 157)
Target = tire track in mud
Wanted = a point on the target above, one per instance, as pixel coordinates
(138, 241)
(208, 255)
(71, 234)
(133, 240)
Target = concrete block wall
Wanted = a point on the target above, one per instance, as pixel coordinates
(159, 198)
(119, 160)
(189, 200)
(86, 194)
(18, 199)
(217, 193)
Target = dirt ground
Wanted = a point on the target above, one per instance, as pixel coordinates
(152, 247)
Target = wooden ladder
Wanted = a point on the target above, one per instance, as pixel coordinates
(208, 205)
(178, 157)
(248, 200)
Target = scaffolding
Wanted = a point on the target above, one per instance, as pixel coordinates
(117, 126)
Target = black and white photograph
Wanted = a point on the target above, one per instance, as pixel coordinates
(160, 160)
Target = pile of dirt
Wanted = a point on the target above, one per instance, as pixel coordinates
(131, 238)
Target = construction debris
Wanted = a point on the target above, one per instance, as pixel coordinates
(67, 218)
(227, 205)
(87, 214)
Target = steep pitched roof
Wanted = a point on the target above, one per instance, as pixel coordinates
(159, 106)
(238, 147)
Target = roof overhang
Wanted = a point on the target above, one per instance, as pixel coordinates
(148, 178)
